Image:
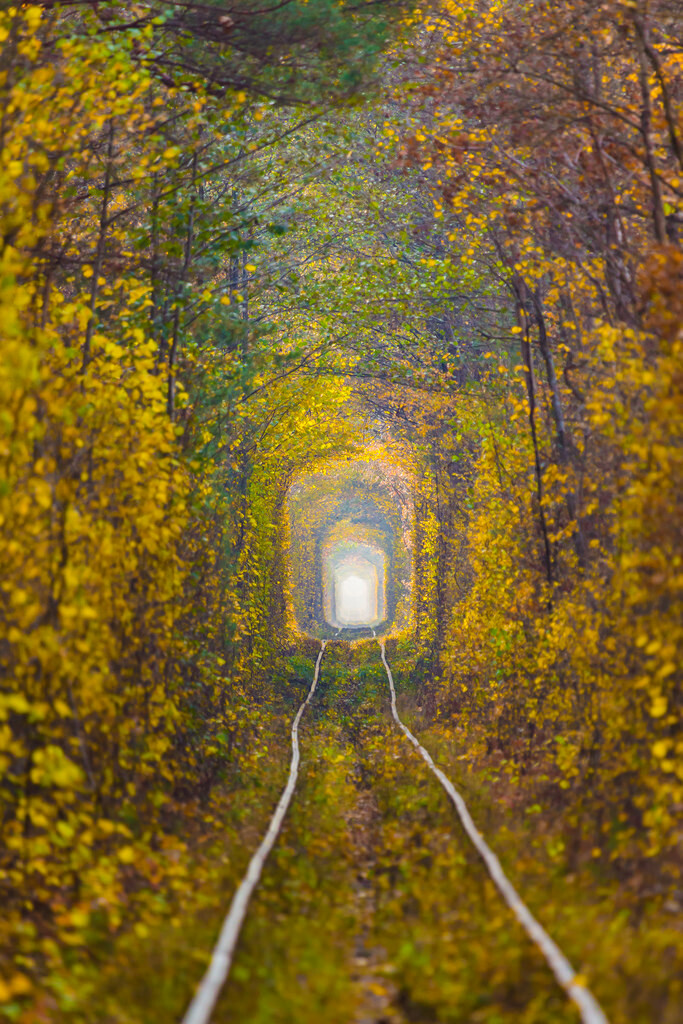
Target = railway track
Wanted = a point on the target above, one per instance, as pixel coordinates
(201, 1008)
(590, 1010)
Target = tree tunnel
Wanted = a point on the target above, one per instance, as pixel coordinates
(350, 548)
(353, 578)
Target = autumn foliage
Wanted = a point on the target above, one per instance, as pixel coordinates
(553, 147)
(223, 274)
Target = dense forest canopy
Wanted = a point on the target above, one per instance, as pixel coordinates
(306, 291)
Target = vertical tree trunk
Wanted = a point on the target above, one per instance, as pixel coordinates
(646, 132)
(563, 440)
(187, 259)
(245, 287)
(643, 33)
(101, 246)
(527, 358)
(155, 317)
(551, 376)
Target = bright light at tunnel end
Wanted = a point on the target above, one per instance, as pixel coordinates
(356, 603)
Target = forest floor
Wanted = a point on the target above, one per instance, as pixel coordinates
(373, 908)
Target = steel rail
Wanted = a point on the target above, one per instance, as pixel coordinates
(590, 1010)
(204, 1000)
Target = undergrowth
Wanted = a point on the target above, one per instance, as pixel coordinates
(446, 947)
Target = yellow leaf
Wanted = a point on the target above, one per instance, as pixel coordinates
(658, 708)
(20, 985)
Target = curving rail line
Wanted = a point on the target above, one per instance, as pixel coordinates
(201, 1007)
(590, 1010)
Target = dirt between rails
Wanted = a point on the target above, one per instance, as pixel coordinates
(369, 970)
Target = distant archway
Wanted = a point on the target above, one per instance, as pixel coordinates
(350, 548)
(354, 578)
